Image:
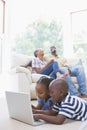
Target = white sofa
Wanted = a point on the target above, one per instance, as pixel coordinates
(23, 78)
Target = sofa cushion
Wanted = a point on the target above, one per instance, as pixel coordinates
(36, 77)
(19, 59)
(20, 69)
(33, 91)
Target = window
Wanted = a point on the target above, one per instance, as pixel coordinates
(79, 34)
(36, 24)
(2, 29)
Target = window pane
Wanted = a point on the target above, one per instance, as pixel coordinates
(1, 17)
(79, 34)
(36, 24)
(1, 31)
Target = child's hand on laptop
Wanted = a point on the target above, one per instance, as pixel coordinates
(35, 111)
(36, 116)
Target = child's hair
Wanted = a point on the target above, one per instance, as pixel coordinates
(45, 81)
(60, 83)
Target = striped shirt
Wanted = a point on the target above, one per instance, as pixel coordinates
(37, 63)
(72, 107)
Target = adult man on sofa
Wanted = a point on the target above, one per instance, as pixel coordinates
(75, 70)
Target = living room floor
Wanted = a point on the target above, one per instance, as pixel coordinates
(6, 123)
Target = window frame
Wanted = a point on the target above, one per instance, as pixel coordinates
(2, 31)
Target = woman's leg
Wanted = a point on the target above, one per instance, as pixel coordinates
(51, 70)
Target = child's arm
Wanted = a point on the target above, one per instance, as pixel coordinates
(46, 112)
(39, 106)
(59, 119)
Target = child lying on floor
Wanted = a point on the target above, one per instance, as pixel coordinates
(66, 105)
(42, 91)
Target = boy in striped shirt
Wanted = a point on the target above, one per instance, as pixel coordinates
(65, 105)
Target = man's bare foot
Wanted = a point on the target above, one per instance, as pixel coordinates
(62, 75)
(83, 95)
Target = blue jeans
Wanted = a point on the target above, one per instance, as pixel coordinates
(78, 71)
(72, 87)
(51, 70)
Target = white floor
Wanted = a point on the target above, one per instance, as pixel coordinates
(6, 123)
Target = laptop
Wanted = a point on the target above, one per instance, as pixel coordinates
(19, 107)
